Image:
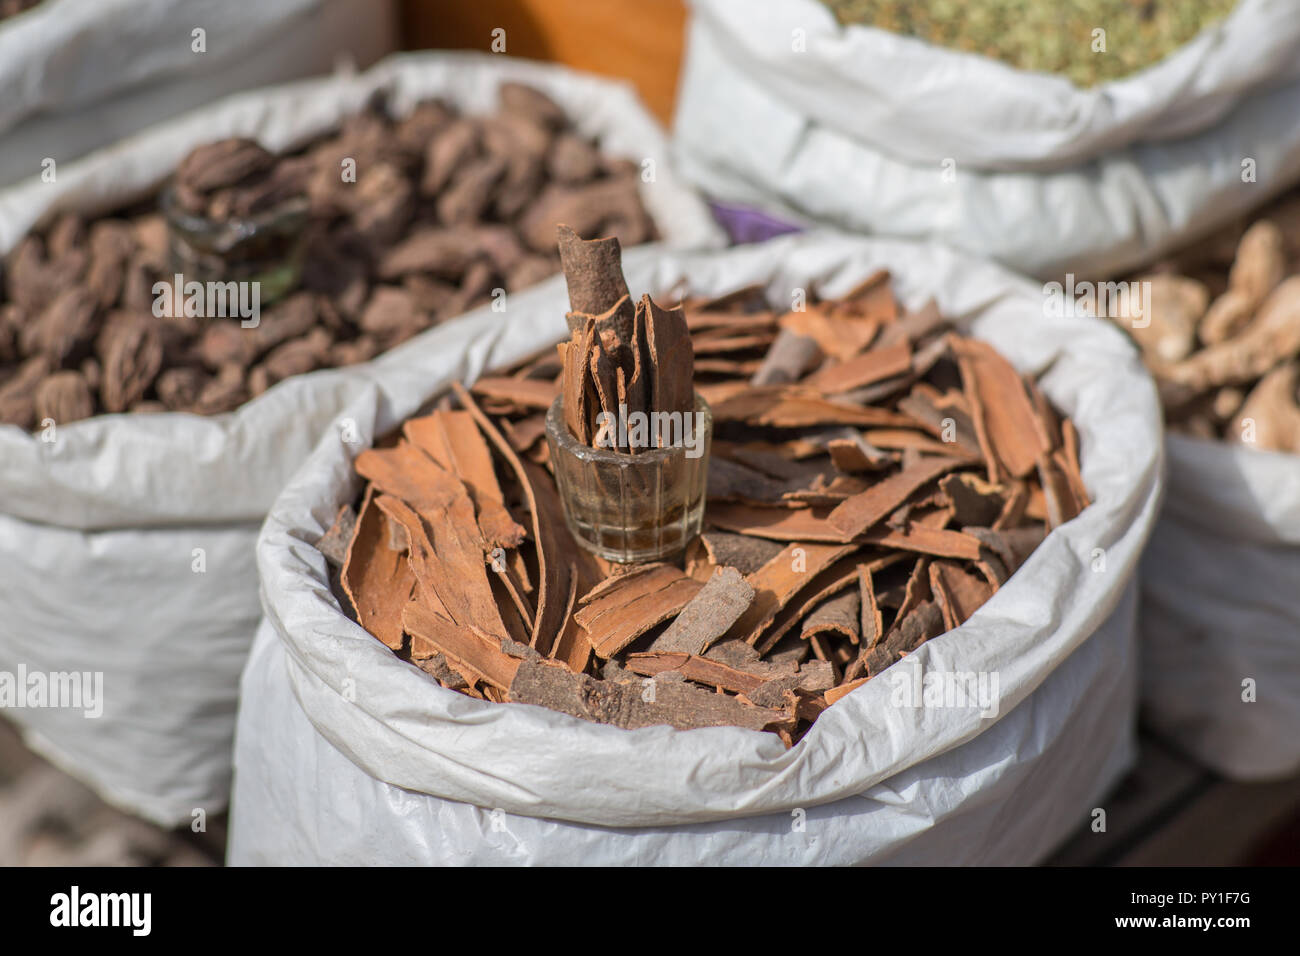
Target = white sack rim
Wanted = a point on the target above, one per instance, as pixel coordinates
(913, 100)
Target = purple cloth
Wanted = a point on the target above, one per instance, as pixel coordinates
(744, 224)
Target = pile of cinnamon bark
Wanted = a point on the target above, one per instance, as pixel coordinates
(875, 478)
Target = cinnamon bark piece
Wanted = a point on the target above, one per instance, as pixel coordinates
(915, 325)
(669, 358)
(1005, 422)
(593, 271)
(1013, 511)
(1046, 419)
(438, 667)
(1059, 495)
(840, 338)
(625, 705)
(786, 406)
(577, 386)
(837, 693)
(772, 460)
(861, 512)
(738, 654)
(697, 563)
(872, 298)
(446, 554)
(906, 636)
(742, 552)
(828, 583)
(453, 440)
(918, 538)
(694, 668)
(811, 678)
(853, 453)
(958, 592)
(563, 556)
(377, 579)
(1069, 462)
(948, 424)
(464, 645)
(552, 539)
(925, 622)
(881, 391)
(709, 615)
(613, 333)
(524, 433)
(871, 622)
(407, 473)
(779, 580)
(722, 340)
(506, 579)
(640, 372)
(625, 577)
(728, 367)
(334, 542)
(788, 358)
(1012, 545)
(917, 589)
(837, 616)
(811, 524)
(907, 439)
(605, 377)
(731, 481)
(975, 501)
(866, 369)
(616, 619)
(572, 647)
(524, 393)
(823, 492)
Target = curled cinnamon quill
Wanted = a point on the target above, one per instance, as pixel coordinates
(620, 358)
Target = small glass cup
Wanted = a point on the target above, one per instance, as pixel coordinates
(632, 508)
(266, 248)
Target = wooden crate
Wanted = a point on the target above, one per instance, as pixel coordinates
(636, 40)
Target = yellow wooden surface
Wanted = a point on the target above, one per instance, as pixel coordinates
(636, 40)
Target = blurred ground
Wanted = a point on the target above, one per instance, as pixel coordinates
(1168, 812)
(49, 819)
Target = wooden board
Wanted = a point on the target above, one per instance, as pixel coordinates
(630, 39)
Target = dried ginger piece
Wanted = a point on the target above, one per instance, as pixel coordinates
(1270, 416)
(1260, 265)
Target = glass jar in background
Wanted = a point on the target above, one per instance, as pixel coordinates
(266, 247)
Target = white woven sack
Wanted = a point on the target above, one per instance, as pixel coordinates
(1220, 614)
(345, 754)
(79, 74)
(858, 128)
